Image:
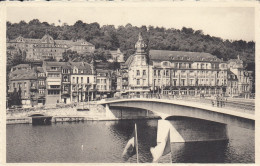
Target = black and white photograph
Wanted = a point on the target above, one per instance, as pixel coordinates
(139, 82)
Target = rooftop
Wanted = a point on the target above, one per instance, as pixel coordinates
(165, 55)
(23, 75)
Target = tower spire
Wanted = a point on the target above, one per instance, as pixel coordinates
(140, 36)
(140, 44)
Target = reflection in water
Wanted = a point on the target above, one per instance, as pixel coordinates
(104, 141)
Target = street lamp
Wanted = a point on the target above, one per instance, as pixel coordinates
(88, 86)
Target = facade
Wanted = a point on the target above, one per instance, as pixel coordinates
(232, 88)
(244, 78)
(156, 72)
(65, 82)
(183, 73)
(53, 82)
(104, 83)
(117, 56)
(122, 81)
(83, 82)
(24, 81)
(47, 47)
(139, 69)
(41, 79)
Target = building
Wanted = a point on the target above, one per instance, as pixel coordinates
(47, 47)
(65, 82)
(80, 46)
(117, 56)
(183, 73)
(24, 81)
(104, 83)
(41, 78)
(53, 82)
(244, 78)
(83, 81)
(139, 69)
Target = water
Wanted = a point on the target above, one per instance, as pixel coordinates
(104, 141)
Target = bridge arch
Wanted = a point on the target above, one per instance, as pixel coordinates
(166, 108)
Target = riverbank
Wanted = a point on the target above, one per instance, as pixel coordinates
(68, 114)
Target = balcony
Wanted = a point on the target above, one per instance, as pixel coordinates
(65, 92)
(53, 87)
(33, 87)
(125, 83)
(41, 86)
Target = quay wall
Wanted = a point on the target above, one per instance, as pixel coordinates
(70, 114)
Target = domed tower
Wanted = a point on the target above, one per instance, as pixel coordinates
(139, 68)
(140, 54)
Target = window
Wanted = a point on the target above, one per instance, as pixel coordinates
(54, 86)
(174, 73)
(53, 75)
(154, 72)
(144, 72)
(41, 82)
(73, 78)
(159, 73)
(98, 81)
(13, 85)
(88, 79)
(82, 80)
(183, 82)
(41, 91)
(174, 82)
(138, 82)
(105, 81)
(137, 72)
(77, 80)
(167, 72)
(25, 85)
(53, 92)
(54, 68)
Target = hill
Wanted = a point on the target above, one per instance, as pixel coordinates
(124, 37)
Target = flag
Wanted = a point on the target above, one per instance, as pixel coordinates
(162, 149)
(131, 146)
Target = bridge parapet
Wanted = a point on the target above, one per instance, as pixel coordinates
(240, 106)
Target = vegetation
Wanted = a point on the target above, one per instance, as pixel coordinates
(108, 37)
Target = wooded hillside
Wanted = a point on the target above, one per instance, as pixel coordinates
(124, 37)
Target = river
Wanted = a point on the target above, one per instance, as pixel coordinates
(104, 141)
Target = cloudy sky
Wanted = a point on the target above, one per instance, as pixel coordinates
(233, 23)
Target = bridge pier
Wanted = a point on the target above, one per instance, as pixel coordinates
(191, 130)
(109, 113)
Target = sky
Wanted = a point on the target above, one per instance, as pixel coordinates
(233, 23)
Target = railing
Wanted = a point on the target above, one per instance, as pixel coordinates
(220, 102)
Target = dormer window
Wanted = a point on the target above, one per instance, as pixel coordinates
(165, 64)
